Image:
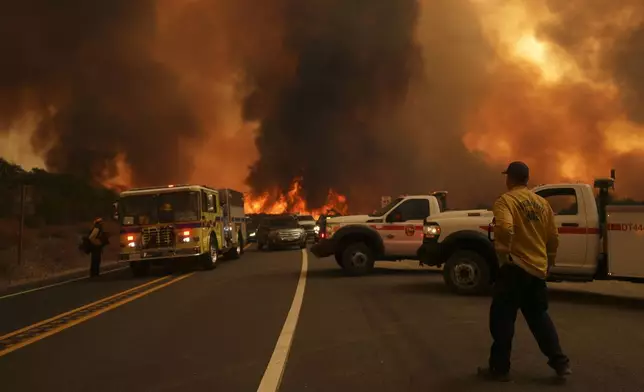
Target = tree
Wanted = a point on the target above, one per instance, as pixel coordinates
(57, 198)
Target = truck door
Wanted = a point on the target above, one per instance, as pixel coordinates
(207, 217)
(403, 228)
(571, 224)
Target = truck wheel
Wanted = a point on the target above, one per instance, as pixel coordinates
(467, 273)
(338, 258)
(140, 269)
(235, 252)
(357, 259)
(242, 244)
(211, 258)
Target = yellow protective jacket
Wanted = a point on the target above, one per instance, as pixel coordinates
(525, 232)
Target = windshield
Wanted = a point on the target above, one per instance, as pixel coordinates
(282, 223)
(159, 208)
(383, 210)
(302, 218)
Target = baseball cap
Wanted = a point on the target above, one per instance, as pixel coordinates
(517, 170)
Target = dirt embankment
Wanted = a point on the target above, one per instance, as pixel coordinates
(47, 251)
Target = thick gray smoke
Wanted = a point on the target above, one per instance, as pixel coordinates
(370, 111)
(366, 97)
(355, 61)
(88, 70)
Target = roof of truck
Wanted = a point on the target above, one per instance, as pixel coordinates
(165, 189)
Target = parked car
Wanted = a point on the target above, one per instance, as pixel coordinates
(279, 232)
(308, 224)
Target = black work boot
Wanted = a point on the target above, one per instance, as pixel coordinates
(490, 375)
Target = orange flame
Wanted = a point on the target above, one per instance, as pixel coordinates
(293, 203)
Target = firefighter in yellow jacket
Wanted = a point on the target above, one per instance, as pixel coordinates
(526, 241)
(96, 239)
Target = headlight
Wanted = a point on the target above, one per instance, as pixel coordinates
(316, 229)
(252, 234)
(431, 230)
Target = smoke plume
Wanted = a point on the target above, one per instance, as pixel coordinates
(377, 100)
(368, 98)
(88, 71)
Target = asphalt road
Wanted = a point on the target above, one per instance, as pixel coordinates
(397, 330)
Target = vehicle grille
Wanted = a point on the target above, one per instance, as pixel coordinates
(289, 235)
(157, 237)
(308, 227)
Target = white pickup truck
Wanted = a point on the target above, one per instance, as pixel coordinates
(597, 241)
(394, 232)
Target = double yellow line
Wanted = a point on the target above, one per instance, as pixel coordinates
(35, 332)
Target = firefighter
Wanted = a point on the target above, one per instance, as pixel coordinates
(525, 241)
(96, 239)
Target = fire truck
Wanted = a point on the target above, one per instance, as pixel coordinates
(180, 222)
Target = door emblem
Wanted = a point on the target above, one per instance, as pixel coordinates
(410, 230)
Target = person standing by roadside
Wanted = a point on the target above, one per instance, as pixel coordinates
(96, 239)
(526, 242)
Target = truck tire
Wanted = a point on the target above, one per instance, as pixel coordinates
(338, 258)
(236, 252)
(140, 268)
(242, 243)
(211, 258)
(357, 259)
(467, 273)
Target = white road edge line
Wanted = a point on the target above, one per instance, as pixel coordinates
(273, 375)
(58, 284)
(70, 281)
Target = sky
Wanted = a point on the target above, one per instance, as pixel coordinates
(367, 98)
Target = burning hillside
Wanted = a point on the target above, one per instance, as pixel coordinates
(276, 202)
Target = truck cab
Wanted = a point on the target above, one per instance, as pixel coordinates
(577, 220)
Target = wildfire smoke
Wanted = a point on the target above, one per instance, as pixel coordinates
(367, 98)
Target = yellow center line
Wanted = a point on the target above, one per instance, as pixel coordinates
(88, 316)
(79, 309)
